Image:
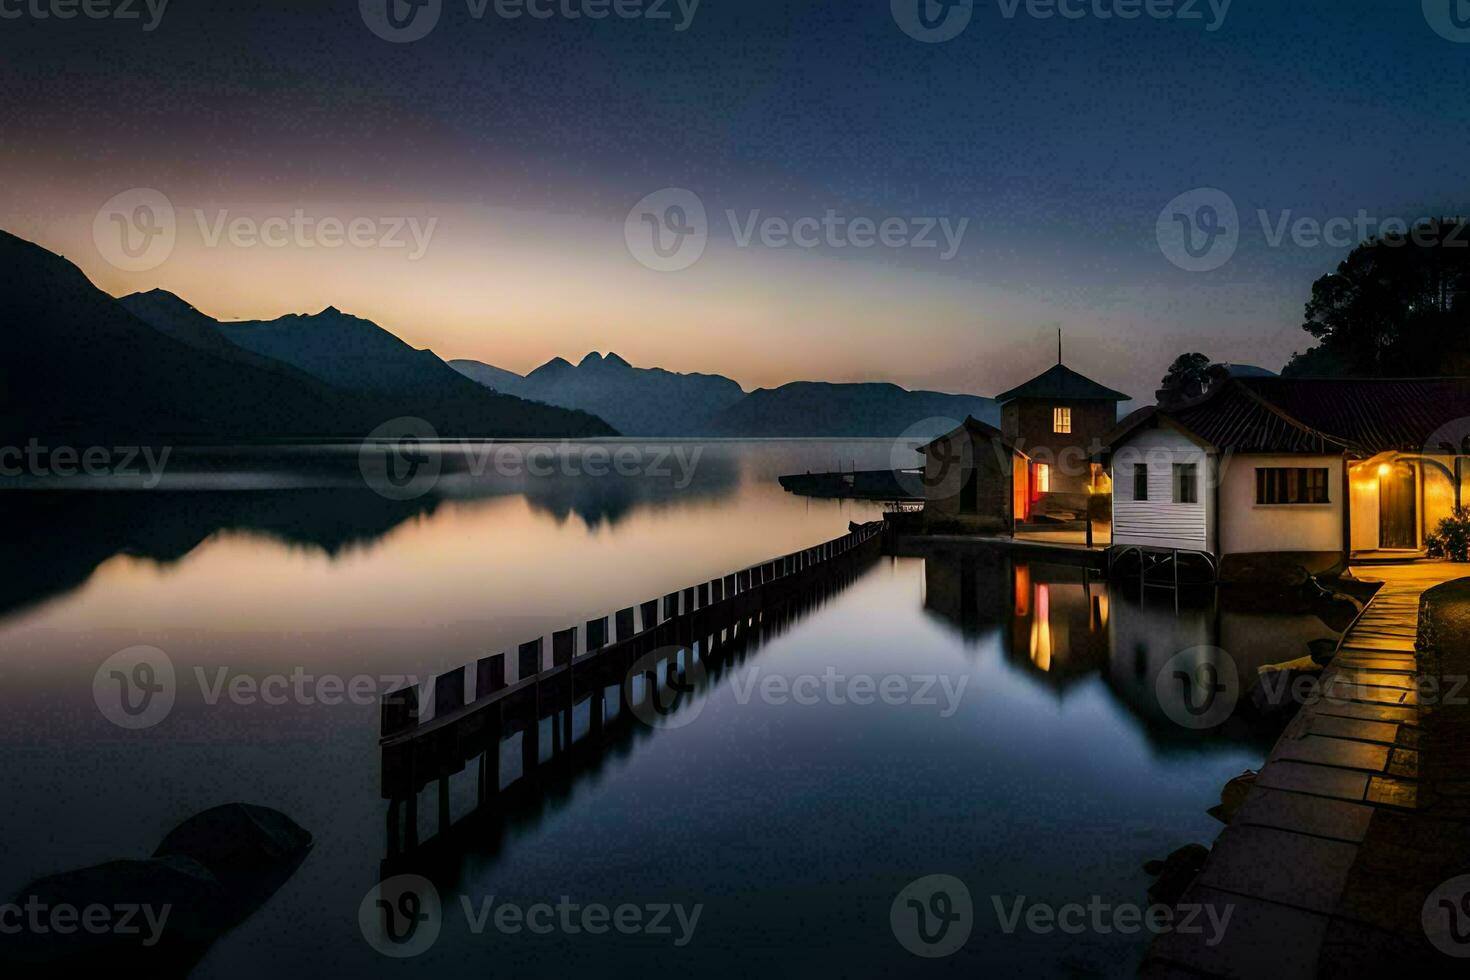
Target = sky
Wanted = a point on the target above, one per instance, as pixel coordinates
(849, 190)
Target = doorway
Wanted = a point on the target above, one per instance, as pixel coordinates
(1398, 507)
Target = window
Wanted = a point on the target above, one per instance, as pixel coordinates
(1061, 420)
(1291, 485)
(1186, 483)
(1140, 481)
(1043, 478)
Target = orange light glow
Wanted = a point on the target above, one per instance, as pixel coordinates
(1041, 629)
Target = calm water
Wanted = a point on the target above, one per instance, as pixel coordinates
(1044, 770)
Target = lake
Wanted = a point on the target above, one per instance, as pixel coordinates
(955, 713)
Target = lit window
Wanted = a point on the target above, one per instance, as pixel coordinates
(1061, 420)
(1043, 478)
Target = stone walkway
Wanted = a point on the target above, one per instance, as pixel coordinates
(1354, 819)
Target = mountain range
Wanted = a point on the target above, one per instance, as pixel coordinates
(635, 401)
(83, 364)
(654, 402)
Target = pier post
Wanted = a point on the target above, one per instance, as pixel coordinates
(623, 624)
(529, 664)
(596, 634)
(563, 646)
(489, 675)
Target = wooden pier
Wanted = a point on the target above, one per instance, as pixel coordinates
(667, 647)
(882, 485)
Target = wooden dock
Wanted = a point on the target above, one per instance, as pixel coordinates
(666, 647)
(884, 485)
(1356, 818)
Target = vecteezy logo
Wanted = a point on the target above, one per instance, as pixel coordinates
(1198, 687)
(1449, 18)
(1446, 917)
(933, 21)
(668, 230)
(401, 21)
(135, 688)
(1199, 230)
(932, 916)
(401, 916)
(669, 692)
(399, 460)
(941, 468)
(136, 230)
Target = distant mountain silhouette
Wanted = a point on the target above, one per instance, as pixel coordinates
(170, 315)
(635, 401)
(1250, 371)
(325, 375)
(489, 375)
(343, 350)
(78, 365)
(821, 409)
(654, 402)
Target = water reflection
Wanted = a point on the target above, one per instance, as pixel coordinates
(535, 754)
(1056, 777)
(1061, 625)
(65, 536)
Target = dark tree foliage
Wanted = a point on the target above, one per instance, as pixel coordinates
(1397, 306)
(1190, 376)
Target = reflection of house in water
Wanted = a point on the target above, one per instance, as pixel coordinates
(1059, 621)
(1146, 631)
(1050, 619)
(1061, 625)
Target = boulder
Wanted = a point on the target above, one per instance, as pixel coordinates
(1275, 683)
(1322, 651)
(209, 874)
(1232, 795)
(1175, 873)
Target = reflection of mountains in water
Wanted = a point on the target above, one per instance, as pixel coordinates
(62, 537)
(1061, 626)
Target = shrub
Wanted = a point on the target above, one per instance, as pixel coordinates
(1452, 538)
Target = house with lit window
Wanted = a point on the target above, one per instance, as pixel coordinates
(1058, 420)
(1040, 468)
(1264, 473)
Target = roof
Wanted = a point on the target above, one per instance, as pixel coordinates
(1319, 416)
(975, 427)
(1063, 384)
(1374, 415)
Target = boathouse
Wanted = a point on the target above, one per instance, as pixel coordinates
(1039, 470)
(971, 476)
(1264, 474)
(1059, 420)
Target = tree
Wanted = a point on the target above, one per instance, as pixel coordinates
(1190, 376)
(1398, 305)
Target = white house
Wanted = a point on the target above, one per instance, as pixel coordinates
(1286, 471)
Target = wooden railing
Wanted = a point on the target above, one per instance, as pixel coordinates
(420, 746)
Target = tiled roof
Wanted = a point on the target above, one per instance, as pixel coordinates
(1062, 383)
(1373, 416)
(1320, 415)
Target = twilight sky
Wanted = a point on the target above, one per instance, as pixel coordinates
(518, 148)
